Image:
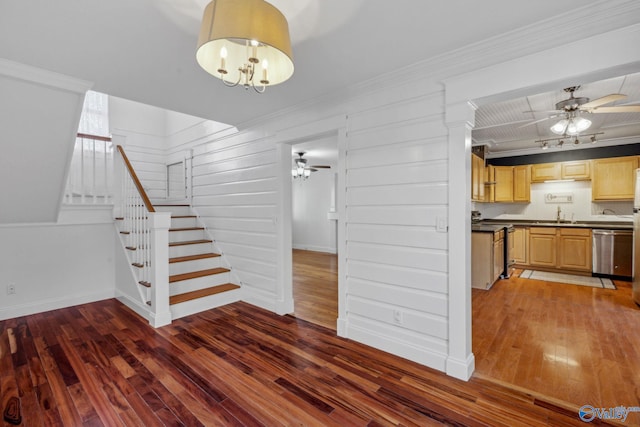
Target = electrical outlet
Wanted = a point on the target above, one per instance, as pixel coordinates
(397, 316)
(11, 288)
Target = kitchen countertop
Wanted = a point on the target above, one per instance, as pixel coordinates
(533, 223)
(488, 227)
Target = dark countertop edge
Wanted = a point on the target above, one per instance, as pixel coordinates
(620, 225)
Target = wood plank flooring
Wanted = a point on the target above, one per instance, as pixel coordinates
(315, 287)
(574, 343)
(99, 364)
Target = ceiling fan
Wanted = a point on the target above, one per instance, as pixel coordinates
(570, 110)
(301, 170)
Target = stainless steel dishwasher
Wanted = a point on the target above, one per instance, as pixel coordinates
(612, 252)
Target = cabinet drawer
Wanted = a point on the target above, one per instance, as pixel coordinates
(575, 232)
(542, 230)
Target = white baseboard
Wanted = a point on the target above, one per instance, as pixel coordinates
(313, 248)
(141, 310)
(461, 369)
(420, 355)
(53, 304)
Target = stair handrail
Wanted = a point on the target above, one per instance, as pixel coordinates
(136, 181)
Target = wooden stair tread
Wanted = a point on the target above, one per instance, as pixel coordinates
(192, 257)
(196, 274)
(184, 216)
(170, 206)
(144, 283)
(201, 293)
(187, 229)
(190, 242)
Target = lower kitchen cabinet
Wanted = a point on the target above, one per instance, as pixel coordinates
(487, 258)
(560, 248)
(574, 249)
(519, 245)
(542, 246)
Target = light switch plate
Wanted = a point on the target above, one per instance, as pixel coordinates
(441, 224)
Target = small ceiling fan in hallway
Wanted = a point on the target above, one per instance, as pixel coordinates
(301, 170)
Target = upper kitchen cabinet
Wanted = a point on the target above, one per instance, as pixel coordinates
(522, 183)
(477, 179)
(576, 170)
(613, 178)
(511, 183)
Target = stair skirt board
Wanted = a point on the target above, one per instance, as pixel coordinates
(209, 302)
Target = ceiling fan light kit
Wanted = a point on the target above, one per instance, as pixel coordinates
(245, 41)
(300, 168)
(572, 124)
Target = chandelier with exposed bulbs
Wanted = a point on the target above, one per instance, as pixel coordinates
(245, 42)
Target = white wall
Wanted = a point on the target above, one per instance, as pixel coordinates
(57, 265)
(312, 201)
(581, 209)
(142, 132)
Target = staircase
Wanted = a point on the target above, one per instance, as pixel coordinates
(199, 278)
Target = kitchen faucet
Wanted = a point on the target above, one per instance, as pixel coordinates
(558, 215)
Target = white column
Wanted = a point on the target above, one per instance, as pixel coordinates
(159, 223)
(460, 120)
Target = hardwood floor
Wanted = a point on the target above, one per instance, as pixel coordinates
(100, 364)
(315, 287)
(574, 343)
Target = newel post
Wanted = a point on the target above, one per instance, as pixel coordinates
(159, 223)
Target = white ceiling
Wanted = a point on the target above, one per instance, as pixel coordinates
(144, 50)
(503, 126)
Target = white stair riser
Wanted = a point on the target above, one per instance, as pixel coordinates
(195, 265)
(207, 303)
(183, 236)
(175, 210)
(184, 222)
(177, 288)
(186, 250)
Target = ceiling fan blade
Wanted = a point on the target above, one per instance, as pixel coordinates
(537, 121)
(311, 169)
(620, 109)
(601, 101)
(320, 166)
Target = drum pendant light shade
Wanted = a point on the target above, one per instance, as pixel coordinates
(245, 40)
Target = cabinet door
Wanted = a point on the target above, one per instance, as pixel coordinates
(613, 178)
(477, 178)
(522, 183)
(579, 170)
(542, 249)
(519, 245)
(574, 249)
(504, 183)
(545, 172)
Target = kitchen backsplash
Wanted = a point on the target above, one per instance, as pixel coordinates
(573, 198)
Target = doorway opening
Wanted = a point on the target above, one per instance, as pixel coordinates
(314, 229)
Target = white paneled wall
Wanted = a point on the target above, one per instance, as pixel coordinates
(396, 188)
(235, 193)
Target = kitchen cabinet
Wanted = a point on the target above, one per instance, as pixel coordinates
(613, 178)
(487, 258)
(503, 178)
(545, 172)
(574, 249)
(580, 170)
(519, 245)
(522, 183)
(560, 248)
(477, 178)
(542, 246)
(510, 183)
(577, 170)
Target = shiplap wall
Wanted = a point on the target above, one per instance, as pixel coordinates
(235, 194)
(396, 187)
